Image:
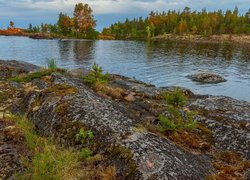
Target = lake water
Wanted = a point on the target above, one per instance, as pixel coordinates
(158, 63)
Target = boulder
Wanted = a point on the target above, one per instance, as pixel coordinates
(206, 77)
(152, 155)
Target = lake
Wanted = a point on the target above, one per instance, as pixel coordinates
(159, 63)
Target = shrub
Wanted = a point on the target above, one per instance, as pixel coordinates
(178, 118)
(166, 124)
(96, 76)
(175, 98)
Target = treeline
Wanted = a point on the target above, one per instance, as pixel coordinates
(81, 25)
(185, 22)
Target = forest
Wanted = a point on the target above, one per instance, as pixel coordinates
(184, 22)
(82, 24)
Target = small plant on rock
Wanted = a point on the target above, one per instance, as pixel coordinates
(178, 118)
(51, 64)
(85, 153)
(84, 136)
(96, 76)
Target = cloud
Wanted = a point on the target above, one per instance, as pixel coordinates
(114, 6)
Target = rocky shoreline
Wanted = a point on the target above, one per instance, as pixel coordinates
(122, 123)
(243, 39)
(224, 38)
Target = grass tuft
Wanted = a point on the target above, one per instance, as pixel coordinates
(51, 64)
(31, 76)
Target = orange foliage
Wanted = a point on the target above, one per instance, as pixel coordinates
(12, 31)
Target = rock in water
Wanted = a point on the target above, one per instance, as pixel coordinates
(206, 77)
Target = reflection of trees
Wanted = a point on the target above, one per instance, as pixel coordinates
(83, 50)
(64, 49)
(243, 60)
(245, 53)
(227, 51)
(183, 49)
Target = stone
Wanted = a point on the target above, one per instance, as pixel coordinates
(206, 77)
(112, 124)
(35, 108)
(130, 97)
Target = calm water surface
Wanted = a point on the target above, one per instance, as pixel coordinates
(159, 63)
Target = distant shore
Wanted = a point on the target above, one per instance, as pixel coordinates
(224, 38)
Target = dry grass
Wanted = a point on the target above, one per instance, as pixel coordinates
(108, 173)
(230, 165)
(61, 89)
(114, 93)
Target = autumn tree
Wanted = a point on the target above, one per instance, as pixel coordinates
(176, 22)
(182, 26)
(83, 19)
(65, 24)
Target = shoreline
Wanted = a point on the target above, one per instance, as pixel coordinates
(224, 38)
(124, 115)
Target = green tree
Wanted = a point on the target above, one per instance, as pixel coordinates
(11, 25)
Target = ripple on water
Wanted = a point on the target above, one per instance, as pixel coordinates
(159, 63)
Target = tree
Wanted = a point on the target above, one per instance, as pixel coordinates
(65, 23)
(44, 28)
(83, 18)
(182, 26)
(106, 31)
(148, 31)
(11, 25)
(194, 29)
(30, 28)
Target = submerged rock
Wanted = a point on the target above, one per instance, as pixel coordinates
(206, 77)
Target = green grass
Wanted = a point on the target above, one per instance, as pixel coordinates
(51, 68)
(85, 153)
(48, 161)
(31, 76)
(52, 64)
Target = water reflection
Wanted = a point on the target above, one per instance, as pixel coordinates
(83, 51)
(161, 63)
(65, 50)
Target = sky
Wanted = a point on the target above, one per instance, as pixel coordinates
(106, 12)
